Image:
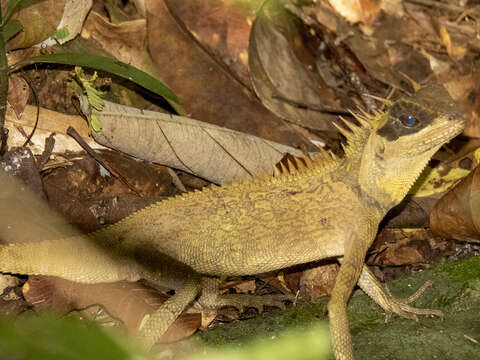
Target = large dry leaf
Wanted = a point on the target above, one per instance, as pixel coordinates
(280, 79)
(186, 144)
(206, 90)
(121, 302)
(457, 214)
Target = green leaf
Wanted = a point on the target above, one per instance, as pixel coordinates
(12, 28)
(109, 65)
(50, 337)
(94, 96)
(12, 7)
(61, 33)
(95, 123)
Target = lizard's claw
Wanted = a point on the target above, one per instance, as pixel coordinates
(401, 308)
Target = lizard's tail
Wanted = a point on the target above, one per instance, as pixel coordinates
(73, 259)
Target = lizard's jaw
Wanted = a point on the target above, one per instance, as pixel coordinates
(434, 138)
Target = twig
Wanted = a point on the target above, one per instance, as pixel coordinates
(176, 180)
(74, 134)
(47, 151)
(37, 103)
(24, 134)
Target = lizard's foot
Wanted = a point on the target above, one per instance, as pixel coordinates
(401, 308)
(382, 296)
(211, 299)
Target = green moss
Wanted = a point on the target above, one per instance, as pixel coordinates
(462, 270)
(455, 291)
(273, 324)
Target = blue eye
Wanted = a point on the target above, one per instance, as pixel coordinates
(408, 120)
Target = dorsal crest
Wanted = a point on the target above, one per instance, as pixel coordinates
(357, 135)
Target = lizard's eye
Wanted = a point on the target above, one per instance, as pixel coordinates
(408, 120)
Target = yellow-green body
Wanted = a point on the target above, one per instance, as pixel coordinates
(327, 209)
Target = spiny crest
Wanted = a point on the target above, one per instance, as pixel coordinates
(357, 135)
(299, 166)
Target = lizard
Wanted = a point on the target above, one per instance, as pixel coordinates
(325, 207)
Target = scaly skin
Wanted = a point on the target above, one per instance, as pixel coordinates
(329, 209)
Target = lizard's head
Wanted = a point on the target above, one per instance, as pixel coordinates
(419, 124)
(404, 138)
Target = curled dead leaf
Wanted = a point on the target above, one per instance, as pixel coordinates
(457, 214)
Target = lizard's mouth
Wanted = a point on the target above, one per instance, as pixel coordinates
(437, 136)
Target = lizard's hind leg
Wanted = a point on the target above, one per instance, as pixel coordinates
(156, 324)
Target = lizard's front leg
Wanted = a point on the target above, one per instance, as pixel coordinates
(382, 296)
(350, 269)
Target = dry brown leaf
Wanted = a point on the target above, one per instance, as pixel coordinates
(456, 51)
(280, 79)
(126, 41)
(8, 281)
(39, 20)
(123, 302)
(186, 144)
(318, 282)
(140, 5)
(393, 7)
(89, 197)
(207, 91)
(399, 247)
(385, 49)
(464, 90)
(18, 93)
(457, 214)
(245, 287)
(223, 27)
(49, 122)
(74, 14)
(365, 11)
